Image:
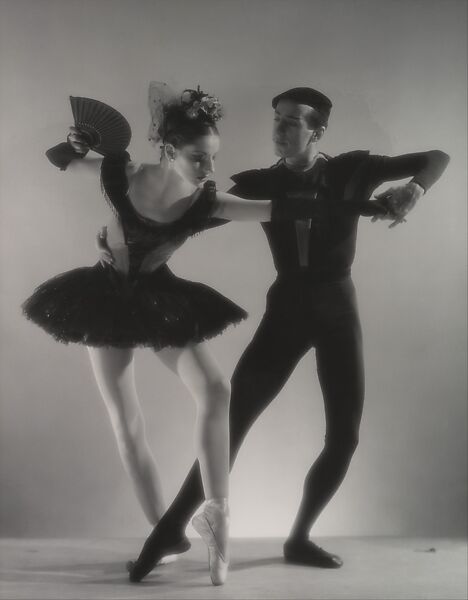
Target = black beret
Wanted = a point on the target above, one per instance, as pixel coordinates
(307, 96)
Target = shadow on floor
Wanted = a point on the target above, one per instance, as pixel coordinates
(108, 573)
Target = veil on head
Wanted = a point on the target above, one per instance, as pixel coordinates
(160, 95)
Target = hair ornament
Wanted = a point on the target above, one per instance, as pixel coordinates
(195, 104)
(197, 101)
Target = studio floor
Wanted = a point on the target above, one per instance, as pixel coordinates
(380, 568)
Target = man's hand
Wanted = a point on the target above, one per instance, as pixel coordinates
(398, 201)
(105, 253)
(78, 141)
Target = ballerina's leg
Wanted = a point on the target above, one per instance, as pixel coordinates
(203, 378)
(211, 391)
(114, 372)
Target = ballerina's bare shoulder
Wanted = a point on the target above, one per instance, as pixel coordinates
(159, 194)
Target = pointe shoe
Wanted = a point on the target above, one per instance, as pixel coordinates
(213, 526)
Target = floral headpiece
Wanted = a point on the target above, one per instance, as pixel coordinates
(195, 103)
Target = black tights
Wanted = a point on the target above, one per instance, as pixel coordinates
(297, 318)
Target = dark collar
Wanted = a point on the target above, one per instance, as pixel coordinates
(320, 159)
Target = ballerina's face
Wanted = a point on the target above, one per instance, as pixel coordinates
(195, 161)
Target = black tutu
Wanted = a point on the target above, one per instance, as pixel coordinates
(97, 306)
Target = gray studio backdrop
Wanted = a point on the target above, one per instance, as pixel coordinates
(396, 73)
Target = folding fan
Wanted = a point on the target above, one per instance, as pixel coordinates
(105, 130)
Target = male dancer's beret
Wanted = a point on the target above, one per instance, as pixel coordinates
(307, 96)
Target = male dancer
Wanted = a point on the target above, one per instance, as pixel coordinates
(312, 303)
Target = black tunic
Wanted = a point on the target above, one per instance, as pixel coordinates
(350, 176)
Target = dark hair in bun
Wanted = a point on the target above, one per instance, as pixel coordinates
(194, 115)
(180, 129)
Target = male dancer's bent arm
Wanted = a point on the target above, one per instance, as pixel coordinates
(425, 168)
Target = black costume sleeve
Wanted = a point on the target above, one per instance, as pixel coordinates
(235, 191)
(425, 168)
(201, 218)
(304, 206)
(257, 184)
(114, 183)
(254, 184)
(62, 155)
(213, 222)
